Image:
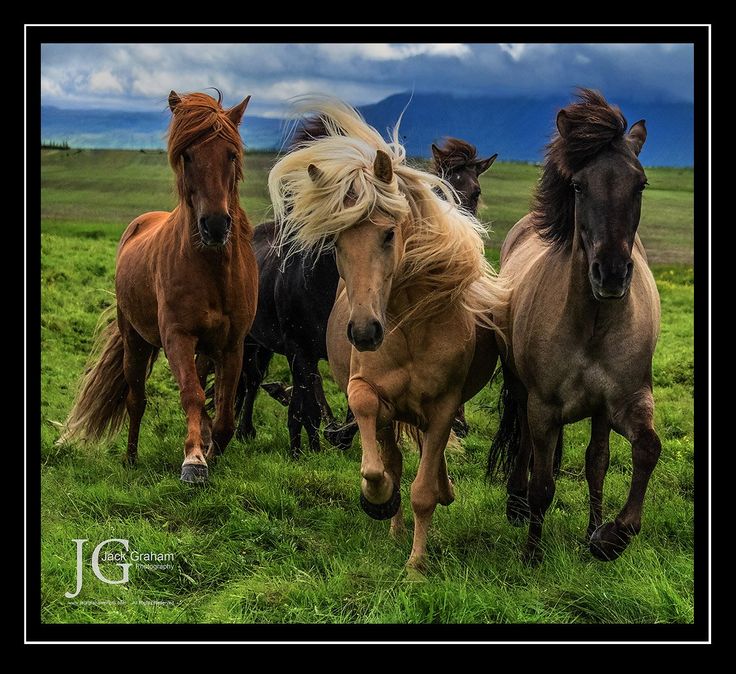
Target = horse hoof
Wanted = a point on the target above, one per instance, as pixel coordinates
(382, 511)
(340, 436)
(532, 556)
(278, 392)
(415, 574)
(194, 473)
(517, 510)
(129, 460)
(460, 428)
(608, 542)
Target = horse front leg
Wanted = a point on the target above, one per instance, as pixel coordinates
(394, 462)
(380, 497)
(635, 424)
(227, 373)
(517, 487)
(180, 350)
(544, 432)
(204, 367)
(255, 365)
(597, 457)
(431, 485)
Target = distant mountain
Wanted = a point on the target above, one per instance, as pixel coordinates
(134, 130)
(516, 128)
(519, 128)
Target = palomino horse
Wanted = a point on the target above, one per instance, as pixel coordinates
(415, 300)
(582, 322)
(186, 281)
(294, 303)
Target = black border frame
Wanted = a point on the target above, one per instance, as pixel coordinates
(699, 631)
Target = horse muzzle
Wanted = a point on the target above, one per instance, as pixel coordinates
(214, 230)
(612, 281)
(366, 336)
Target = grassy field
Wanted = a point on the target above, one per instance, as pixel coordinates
(271, 540)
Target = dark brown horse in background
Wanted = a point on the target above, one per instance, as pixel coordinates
(582, 322)
(185, 281)
(458, 163)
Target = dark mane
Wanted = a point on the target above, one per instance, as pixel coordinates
(593, 125)
(454, 152)
(307, 130)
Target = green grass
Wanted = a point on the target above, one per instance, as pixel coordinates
(273, 540)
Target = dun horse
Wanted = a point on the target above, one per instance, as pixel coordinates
(582, 322)
(185, 281)
(294, 304)
(410, 337)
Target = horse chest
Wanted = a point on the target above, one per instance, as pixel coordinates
(583, 388)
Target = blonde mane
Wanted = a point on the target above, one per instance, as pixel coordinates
(443, 245)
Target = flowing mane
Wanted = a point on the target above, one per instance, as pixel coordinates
(595, 125)
(455, 152)
(199, 118)
(443, 246)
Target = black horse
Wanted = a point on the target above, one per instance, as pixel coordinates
(294, 304)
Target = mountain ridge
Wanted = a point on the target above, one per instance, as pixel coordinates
(516, 128)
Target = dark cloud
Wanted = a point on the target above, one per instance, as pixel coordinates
(139, 76)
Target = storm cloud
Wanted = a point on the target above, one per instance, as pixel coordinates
(139, 76)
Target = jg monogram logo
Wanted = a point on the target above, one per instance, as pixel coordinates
(142, 560)
(96, 563)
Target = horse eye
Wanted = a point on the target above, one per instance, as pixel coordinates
(643, 186)
(389, 237)
(186, 157)
(232, 156)
(577, 187)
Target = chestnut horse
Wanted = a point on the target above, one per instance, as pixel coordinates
(186, 281)
(582, 322)
(410, 336)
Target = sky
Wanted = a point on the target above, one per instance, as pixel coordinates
(140, 76)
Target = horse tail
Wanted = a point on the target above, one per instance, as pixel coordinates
(417, 437)
(506, 442)
(99, 407)
(402, 430)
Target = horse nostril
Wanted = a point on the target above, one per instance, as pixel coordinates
(350, 332)
(228, 221)
(595, 270)
(203, 226)
(377, 332)
(629, 270)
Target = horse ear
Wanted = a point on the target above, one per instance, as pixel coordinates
(236, 114)
(174, 100)
(564, 126)
(638, 135)
(315, 173)
(482, 165)
(437, 154)
(382, 167)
